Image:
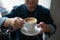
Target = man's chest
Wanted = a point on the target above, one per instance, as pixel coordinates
(36, 14)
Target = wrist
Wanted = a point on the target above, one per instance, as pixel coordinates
(7, 22)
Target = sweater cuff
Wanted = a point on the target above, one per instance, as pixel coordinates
(51, 28)
(2, 21)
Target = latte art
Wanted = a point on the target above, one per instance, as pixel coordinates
(30, 20)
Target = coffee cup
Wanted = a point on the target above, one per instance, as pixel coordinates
(30, 23)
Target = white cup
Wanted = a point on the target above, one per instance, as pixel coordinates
(30, 23)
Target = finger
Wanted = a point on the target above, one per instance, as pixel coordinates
(41, 24)
(16, 26)
(18, 18)
(21, 19)
(19, 24)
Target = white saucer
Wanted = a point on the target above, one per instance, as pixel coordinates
(34, 32)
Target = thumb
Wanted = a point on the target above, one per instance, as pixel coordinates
(40, 24)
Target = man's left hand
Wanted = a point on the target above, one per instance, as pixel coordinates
(45, 27)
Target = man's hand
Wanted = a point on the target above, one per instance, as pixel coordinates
(44, 27)
(15, 23)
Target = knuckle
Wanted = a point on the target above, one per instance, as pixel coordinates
(15, 20)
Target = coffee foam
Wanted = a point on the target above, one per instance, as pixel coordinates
(31, 20)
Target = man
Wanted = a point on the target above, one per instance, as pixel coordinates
(15, 20)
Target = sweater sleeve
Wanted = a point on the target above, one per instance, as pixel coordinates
(49, 21)
(12, 14)
(2, 21)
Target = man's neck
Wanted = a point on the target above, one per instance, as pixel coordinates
(31, 8)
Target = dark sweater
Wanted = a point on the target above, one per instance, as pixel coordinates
(40, 13)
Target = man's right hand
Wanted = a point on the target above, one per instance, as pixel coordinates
(15, 23)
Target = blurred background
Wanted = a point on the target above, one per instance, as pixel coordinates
(53, 5)
(10, 3)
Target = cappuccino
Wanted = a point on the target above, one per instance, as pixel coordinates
(31, 20)
(30, 23)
